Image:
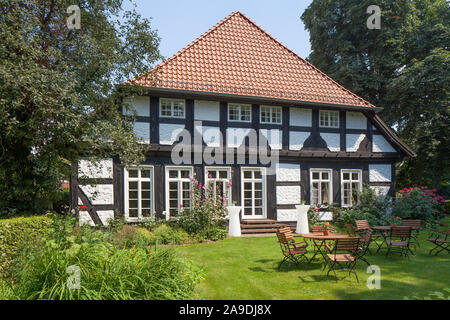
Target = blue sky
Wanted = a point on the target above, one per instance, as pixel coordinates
(180, 22)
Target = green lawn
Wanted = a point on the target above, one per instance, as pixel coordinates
(246, 268)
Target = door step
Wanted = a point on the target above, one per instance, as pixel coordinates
(263, 227)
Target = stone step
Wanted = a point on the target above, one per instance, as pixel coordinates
(248, 231)
(264, 226)
(259, 221)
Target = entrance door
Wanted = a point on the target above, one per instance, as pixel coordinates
(253, 193)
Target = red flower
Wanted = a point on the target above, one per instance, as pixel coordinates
(83, 207)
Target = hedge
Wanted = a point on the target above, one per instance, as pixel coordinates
(15, 231)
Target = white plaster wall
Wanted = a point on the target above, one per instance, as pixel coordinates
(85, 218)
(140, 104)
(380, 144)
(235, 136)
(102, 169)
(356, 120)
(300, 117)
(380, 173)
(286, 215)
(381, 190)
(104, 215)
(325, 216)
(353, 141)
(99, 193)
(297, 139)
(287, 172)
(206, 110)
(333, 141)
(142, 130)
(274, 138)
(288, 195)
(211, 135)
(168, 132)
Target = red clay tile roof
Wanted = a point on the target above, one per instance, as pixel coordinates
(238, 57)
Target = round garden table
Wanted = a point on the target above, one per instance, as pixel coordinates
(319, 240)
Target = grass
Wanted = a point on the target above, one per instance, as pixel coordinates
(247, 268)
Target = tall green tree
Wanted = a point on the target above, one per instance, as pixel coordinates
(402, 67)
(59, 99)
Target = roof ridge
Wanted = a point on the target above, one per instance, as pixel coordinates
(299, 57)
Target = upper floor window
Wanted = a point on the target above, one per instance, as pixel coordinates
(351, 184)
(271, 115)
(328, 119)
(239, 112)
(172, 108)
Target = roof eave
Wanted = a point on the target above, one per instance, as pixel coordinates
(269, 100)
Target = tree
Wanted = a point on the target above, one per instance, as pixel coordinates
(402, 67)
(59, 99)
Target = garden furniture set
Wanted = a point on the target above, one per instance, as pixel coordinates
(342, 251)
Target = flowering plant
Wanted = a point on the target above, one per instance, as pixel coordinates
(419, 203)
(208, 207)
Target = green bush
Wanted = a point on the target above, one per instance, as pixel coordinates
(105, 271)
(207, 212)
(167, 235)
(17, 232)
(371, 207)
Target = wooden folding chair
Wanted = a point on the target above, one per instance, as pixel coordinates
(344, 256)
(290, 253)
(290, 238)
(441, 241)
(415, 225)
(364, 244)
(399, 240)
(362, 226)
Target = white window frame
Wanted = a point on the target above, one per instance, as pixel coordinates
(271, 110)
(180, 185)
(328, 114)
(239, 105)
(320, 180)
(264, 195)
(225, 180)
(172, 108)
(126, 191)
(351, 188)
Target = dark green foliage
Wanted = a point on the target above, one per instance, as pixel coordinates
(59, 99)
(402, 67)
(17, 232)
(106, 272)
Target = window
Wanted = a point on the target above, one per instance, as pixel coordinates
(271, 115)
(350, 186)
(178, 185)
(239, 112)
(253, 189)
(138, 193)
(219, 179)
(321, 186)
(172, 108)
(328, 119)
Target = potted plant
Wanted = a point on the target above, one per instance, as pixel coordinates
(396, 221)
(326, 232)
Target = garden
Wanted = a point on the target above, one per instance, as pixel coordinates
(53, 257)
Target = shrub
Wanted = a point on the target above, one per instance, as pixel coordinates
(419, 203)
(371, 207)
(17, 232)
(105, 271)
(207, 212)
(167, 235)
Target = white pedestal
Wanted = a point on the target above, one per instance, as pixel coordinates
(234, 225)
(302, 219)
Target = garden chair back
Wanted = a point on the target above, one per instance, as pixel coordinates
(362, 224)
(441, 241)
(399, 240)
(344, 256)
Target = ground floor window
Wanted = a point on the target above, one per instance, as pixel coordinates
(253, 190)
(178, 181)
(219, 180)
(351, 184)
(321, 186)
(138, 193)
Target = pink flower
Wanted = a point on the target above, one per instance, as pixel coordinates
(316, 209)
(441, 224)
